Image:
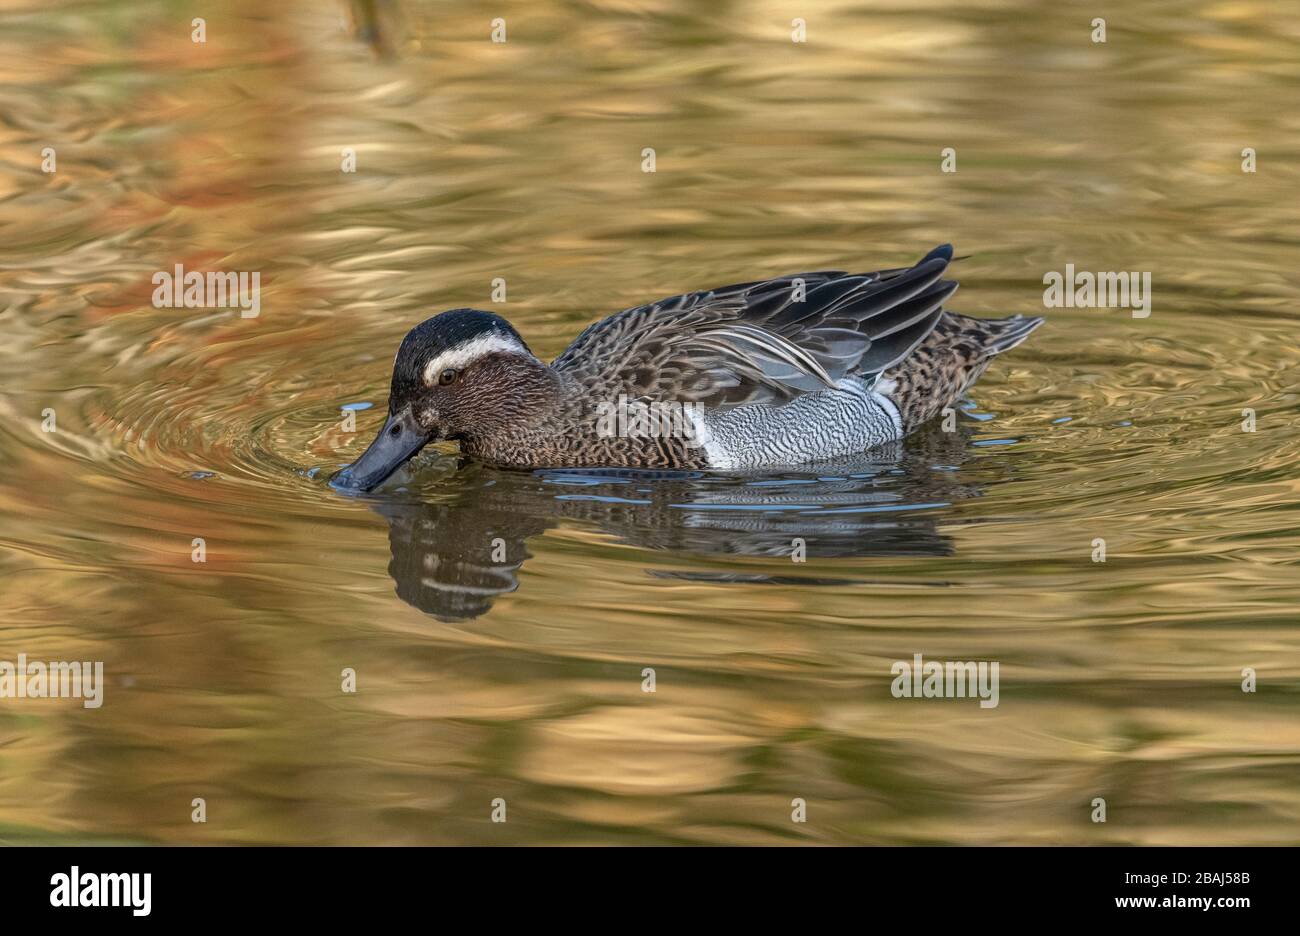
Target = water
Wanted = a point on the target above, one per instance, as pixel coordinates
(522, 678)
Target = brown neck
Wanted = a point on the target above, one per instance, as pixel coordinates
(531, 396)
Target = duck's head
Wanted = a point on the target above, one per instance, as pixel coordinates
(458, 374)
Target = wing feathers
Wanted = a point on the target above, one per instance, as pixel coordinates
(763, 342)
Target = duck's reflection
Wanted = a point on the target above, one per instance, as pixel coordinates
(452, 557)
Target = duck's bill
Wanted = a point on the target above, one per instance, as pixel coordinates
(398, 442)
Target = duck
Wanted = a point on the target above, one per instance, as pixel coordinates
(758, 376)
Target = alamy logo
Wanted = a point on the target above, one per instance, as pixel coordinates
(193, 290)
(931, 680)
(102, 890)
(657, 420)
(53, 680)
(1086, 290)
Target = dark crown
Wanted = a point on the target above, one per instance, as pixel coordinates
(432, 337)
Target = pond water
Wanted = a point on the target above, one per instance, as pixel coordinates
(500, 625)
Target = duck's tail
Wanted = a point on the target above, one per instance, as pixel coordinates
(951, 358)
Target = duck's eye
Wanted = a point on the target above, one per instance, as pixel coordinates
(447, 376)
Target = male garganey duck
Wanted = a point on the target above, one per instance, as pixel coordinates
(761, 375)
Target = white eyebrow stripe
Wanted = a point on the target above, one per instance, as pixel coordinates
(470, 351)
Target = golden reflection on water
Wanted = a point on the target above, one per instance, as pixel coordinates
(522, 160)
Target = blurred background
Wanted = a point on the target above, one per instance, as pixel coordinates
(523, 160)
